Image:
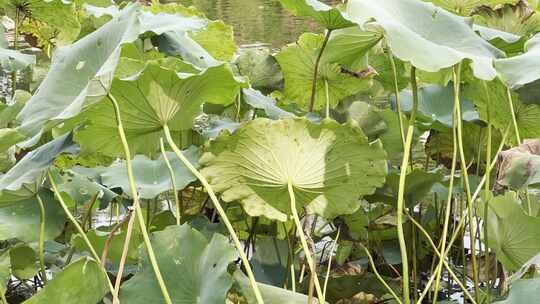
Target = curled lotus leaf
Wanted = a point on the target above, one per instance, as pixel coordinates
(329, 165)
(329, 17)
(519, 167)
(429, 37)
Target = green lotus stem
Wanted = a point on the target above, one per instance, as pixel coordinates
(401, 190)
(327, 98)
(293, 281)
(330, 262)
(220, 210)
(475, 195)
(398, 98)
(41, 246)
(15, 47)
(378, 275)
(514, 120)
(445, 263)
(136, 203)
(123, 258)
(487, 190)
(303, 241)
(77, 226)
(173, 182)
(3, 296)
(472, 230)
(316, 70)
(447, 209)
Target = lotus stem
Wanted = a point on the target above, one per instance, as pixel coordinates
(513, 113)
(334, 244)
(401, 190)
(220, 210)
(136, 203)
(398, 98)
(472, 230)
(378, 275)
(316, 70)
(77, 227)
(447, 208)
(41, 246)
(179, 210)
(487, 190)
(445, 263)
(327, 99)
(125, 249)
(303, 241)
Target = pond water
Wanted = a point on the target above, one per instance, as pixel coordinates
(257, 21)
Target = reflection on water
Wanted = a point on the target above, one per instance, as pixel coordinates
(256, 21)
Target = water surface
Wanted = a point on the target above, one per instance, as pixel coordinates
(257, 21)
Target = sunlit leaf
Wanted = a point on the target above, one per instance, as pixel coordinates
(329, 165)
(298, 63)
(157, 96)
(427, 36)
(270, 294)
(79, 71)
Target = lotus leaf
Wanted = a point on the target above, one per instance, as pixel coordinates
(329, 165)
(193, 267)
(261, 68)
(329, 17)
(298, 63)
(149, 175)
(523, 291)
(519, 167)
(82, 280)
(259, 101)
(427, 36)
(511, 233)
(466, 7)
(523, 69)
(157, 96)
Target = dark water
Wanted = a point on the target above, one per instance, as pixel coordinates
(257, 21)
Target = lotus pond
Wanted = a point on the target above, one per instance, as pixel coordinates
(373, 151)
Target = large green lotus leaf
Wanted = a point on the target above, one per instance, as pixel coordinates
(152, 176)
(266, 103)
(20, 216)
(427, 36)
(349, 47)
(98, 238)
(329, 17)
(33, 164)
(180, 44)
(523, 69)
(193, 268)
(297, 62)
(436, 104)
(523, 291)
(512, 234)
(366, 116)
(261, 68)
(270, 294)
(157, 96)
(83, 281)
(217, 38)
(466, 7)
(79, 70)
(330, 166)
(380, 61)
(500, 112)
